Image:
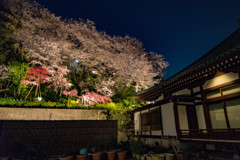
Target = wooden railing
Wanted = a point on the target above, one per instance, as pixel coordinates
(223, 134)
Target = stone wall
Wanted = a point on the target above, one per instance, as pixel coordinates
(52, 131)
(49, 114)
(53, 137)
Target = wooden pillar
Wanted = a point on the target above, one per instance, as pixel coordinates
(206, 110)
(176, 117)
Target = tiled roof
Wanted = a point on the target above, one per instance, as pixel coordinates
(220, 51)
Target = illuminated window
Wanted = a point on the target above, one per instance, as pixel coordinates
(233, 112)
(213, 94)
(231, 90)
(223, 91)
(217, 116)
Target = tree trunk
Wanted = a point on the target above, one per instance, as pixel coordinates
(29, 92)
(36, 91)
(2, 90)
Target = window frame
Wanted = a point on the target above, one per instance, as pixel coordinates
(221, 99)
(147, 122)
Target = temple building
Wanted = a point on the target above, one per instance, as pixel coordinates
(199, 104)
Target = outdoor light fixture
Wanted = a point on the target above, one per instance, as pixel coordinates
(76, 60)
(39, 98)
(70, 84)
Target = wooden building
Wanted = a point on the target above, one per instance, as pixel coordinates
(201, 103)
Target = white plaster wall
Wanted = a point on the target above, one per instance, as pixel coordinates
(225, 78)
(183, 119)
(168, 120)
(160, 98)
(196, 89)
(154, 108)
(200, 117)
(196, 101)
(137, 122)
(199, 95)
(157, 133)
(182, 92)
(145, 111)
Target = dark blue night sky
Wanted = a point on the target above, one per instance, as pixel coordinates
(181, 30)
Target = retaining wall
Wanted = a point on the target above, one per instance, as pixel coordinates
(40, 134)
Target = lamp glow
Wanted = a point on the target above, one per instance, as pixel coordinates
(39, 98)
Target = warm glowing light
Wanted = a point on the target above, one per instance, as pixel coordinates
(220, 78)
(39, 98)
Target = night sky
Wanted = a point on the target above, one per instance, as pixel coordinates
(181, 30)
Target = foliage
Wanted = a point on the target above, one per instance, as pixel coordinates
(36, 76)
(112, 144)
(25, 103)
(72, 93)
(121, 112)
(93, 98)
(11, 102)
(123, 93)
(4, 78)
(59, 80)
(17, 73)
(62, 51)
(4, 72)
(136, 146)
(9, 48)
(51, 41)
(157, 149)
(86, 79)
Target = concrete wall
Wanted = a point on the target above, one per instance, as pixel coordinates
(49, 114)
(52, 131)
(53, 137)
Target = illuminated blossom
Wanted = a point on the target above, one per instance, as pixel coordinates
(93, 98)
(59, 81)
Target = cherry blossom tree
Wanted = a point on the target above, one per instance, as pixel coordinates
(72, 93)
(51, 41)
(59, 80)
(92, 98)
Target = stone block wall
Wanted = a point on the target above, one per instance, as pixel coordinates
(53, 137)
(45, 131)
(7, 113)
